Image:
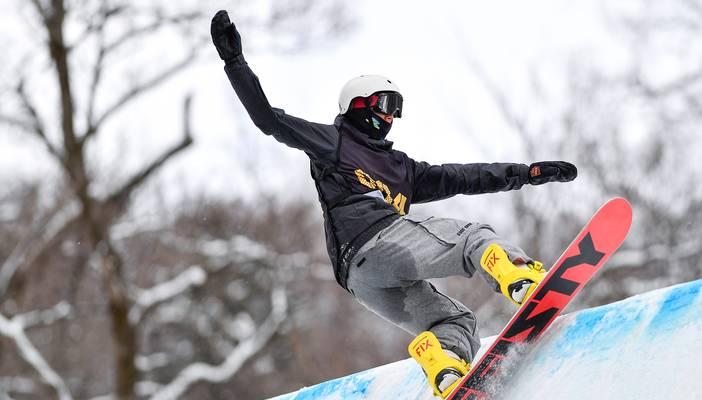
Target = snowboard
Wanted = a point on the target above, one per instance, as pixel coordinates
(597, 241)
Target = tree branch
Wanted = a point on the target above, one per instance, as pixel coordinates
(44, 233)
(670, 88)
(16, 122)
(35, 125)
(92, 26)
(16, 384)
(145, 300)
(517, 122)
(145, 86)
(31, 319)
(237, 250)
(235, 360)
(54, 24)
(96, 77)
(121, 195)
(40, 9)
(149, 28)
(14, 330)
(653, 253)
(104, 49)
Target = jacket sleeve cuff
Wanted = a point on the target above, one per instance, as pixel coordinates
(236, 61)
(523, 172)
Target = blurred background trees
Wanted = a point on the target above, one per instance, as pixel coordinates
(235, 298)
(99, 304)
(632, 128)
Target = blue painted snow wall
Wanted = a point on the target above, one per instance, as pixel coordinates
(646, 347)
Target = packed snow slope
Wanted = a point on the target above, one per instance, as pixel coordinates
(645, 347)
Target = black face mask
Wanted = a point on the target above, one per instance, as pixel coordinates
(369, 123)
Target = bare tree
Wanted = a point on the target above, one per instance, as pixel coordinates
(89, 45)
(632, 132)
(649, 119)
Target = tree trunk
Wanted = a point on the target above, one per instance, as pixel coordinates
(123, 333)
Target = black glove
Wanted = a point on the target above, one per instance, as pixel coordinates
(225, 37)
(551, 171)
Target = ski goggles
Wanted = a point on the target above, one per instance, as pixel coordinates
(388, 103)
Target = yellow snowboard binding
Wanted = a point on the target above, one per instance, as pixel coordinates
(517, 282)
(444, 369)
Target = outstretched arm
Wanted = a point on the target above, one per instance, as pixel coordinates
(436, 182)
(317, 140)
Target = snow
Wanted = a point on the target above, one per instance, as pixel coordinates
(145, 299)
(197, 372)
(14, 329)
(644, 347)
(44, 317)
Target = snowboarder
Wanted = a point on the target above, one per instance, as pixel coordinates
(382, 255)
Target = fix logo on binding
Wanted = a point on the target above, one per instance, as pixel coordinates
(491, 259)
(422, 346)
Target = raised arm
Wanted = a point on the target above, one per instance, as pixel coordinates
(319, 141)
(436, 182)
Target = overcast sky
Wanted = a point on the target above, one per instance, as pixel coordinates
(448, 116)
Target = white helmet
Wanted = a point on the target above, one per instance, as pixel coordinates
(364, 86)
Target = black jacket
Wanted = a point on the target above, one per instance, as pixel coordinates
(364, 184)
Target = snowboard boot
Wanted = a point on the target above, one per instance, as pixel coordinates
(516, 282)
(443, 368)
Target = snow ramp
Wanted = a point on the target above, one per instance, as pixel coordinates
(645, 347)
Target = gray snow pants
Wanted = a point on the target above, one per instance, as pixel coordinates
(388, 276)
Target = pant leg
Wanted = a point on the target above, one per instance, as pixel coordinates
(476, 241)
(388, 276)
(419, 307)
(461, 244)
